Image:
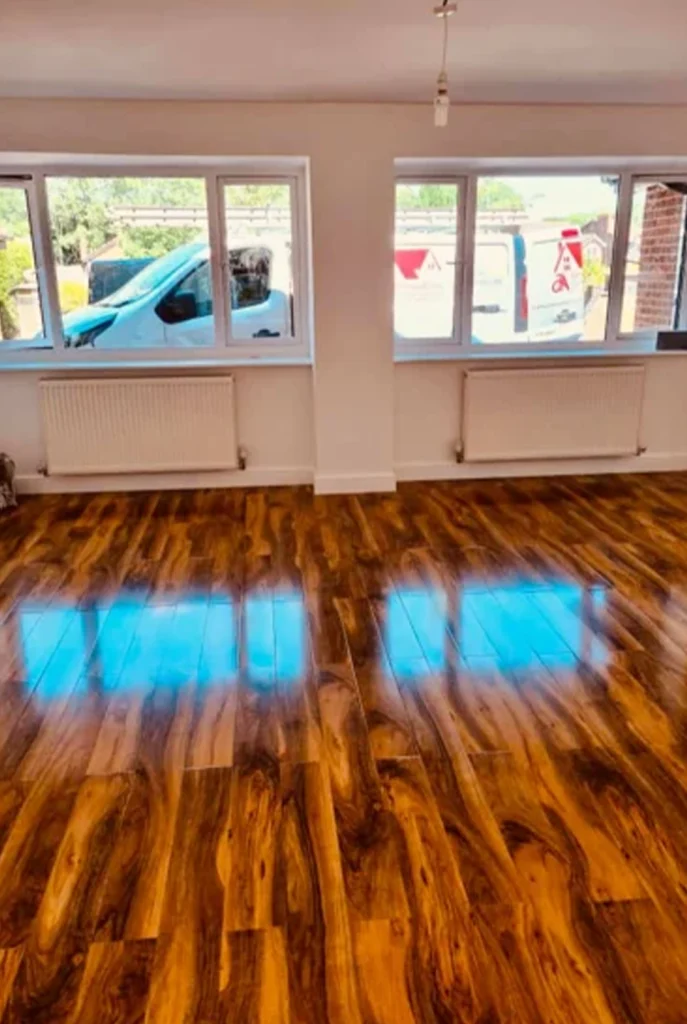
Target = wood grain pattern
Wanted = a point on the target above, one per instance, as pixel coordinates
(420, 757)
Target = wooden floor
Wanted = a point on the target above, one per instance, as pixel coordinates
(417, 757)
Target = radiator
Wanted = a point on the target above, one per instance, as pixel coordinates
(552, 413)
(139, 425)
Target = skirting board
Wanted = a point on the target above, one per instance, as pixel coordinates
(654, 463)
(253, 476)
(34, 483)
(354, 483)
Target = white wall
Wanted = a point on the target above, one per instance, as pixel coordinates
(275, 424)
(427, 428)
(353, 418)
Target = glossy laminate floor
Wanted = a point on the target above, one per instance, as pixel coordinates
(416, 757)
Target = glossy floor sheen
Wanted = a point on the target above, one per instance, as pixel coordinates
(417, 757)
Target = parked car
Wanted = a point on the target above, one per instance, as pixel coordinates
(528, 286)
(169, 302)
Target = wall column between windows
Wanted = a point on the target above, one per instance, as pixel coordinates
(352, 194)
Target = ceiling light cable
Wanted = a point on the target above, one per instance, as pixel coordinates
(442, 100)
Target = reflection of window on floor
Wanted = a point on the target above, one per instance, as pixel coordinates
(130, 644)
(521, 623)
(274, 638)
(258, 639)
(289, 638)
(514, 625)
(54, 650)
(415, 632)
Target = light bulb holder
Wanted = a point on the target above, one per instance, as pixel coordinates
(442, 104)
(442, 100)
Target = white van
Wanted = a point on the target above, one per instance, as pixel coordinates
(528, 286)
(169, 303)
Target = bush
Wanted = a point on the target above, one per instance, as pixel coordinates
(15, 260)
(594, 274)
(73, 295)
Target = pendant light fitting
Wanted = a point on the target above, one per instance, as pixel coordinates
(442, 100)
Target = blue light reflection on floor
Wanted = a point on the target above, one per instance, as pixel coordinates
(131, 643)
(514, 624)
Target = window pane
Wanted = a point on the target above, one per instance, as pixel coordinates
(260, 242)
(426, 236)
(543, 247)
(130, 255)
(654, 257)
(21, 319)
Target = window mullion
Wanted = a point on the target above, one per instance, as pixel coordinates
(218, 250)
(464, 290)
(616, 285)
(45, 261)
(299, 270)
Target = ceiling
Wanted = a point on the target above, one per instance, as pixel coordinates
(499, 50)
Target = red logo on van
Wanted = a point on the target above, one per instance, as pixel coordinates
(569, 254)
(413, 262)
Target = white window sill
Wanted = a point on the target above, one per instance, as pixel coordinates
(501, 353)
(51, 362)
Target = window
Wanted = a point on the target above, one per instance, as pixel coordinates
(120, 245)
(652, 298)
(21, 317)
(425, 258)
(138, 265)
(537, 261)
(259, 234)
(542, 258)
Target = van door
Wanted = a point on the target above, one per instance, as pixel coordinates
(493, 297)
(187, 312)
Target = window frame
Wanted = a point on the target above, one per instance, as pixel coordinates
(440, 345)
(223, 349)
(466, 175)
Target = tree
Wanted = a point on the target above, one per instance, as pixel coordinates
(492, 194)
(79, 217)
(154, 241)
(254, 194)
(426, 196)
(82, 220)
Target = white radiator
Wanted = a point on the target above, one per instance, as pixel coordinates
(139, 425)
(552, 414)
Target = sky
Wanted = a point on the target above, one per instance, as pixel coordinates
(562, 195)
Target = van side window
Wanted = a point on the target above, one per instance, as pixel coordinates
(250, 276)
(190, 299)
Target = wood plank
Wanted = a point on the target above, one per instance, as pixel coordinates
(387, 721)
(28, 854)
(9, 965)
(250, 850)
(115, 983)
(185, 982)
(441, 975)
(649, 962)
(311, 903)
(367, 834)
(256, 984)
(48, 979)
(555, 934)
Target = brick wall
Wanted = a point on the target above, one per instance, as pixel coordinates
(660, 248)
